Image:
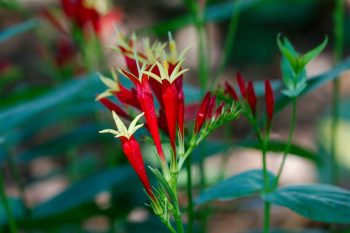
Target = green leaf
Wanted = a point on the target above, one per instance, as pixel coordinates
(318, 202)
(18, 29)
(242, 185)
(288, 51)
(314, 52)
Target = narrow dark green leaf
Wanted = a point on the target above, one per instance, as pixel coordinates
(17, 29)
(78, 136)
(214, 13)
(318, 202)
(85, 191)
(242, 185)
(17, 208)
(280, 146)
(85, 87)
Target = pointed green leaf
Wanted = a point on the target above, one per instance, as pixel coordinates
(318, 202)
(314, 52)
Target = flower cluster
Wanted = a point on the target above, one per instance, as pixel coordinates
(158, 75)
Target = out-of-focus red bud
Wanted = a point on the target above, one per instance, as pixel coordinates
(202, 113)
(231, 91)
(251, 97)
(241, 84)
(269, 100)
(53, 20)
(65, 51)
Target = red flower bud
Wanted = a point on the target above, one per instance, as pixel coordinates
(269, 100)
(113, 107)
(219, 110)
(251, 97)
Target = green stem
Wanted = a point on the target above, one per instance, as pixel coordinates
(289, 140)
(339, 16)
(189, 196)
(203, 63)
(169, 226)
(267, 208)
(177, 216)
(13, 166)
(8, 210)
(267, 205)
(230, 38)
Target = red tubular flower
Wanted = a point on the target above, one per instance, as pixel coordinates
(132, 65)
(127, 96)
(251, 97)
(230, 90)
(180, 107)
(202, 113)
(145, 98)
(80, 14)
(241, 84)
(131, 148)
(269, 100)
(113, 107)
(169, 97)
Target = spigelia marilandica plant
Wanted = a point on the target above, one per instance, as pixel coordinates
(156, 72)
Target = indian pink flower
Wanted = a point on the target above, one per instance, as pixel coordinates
(131, 148)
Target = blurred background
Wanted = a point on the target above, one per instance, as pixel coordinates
(60, 175)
